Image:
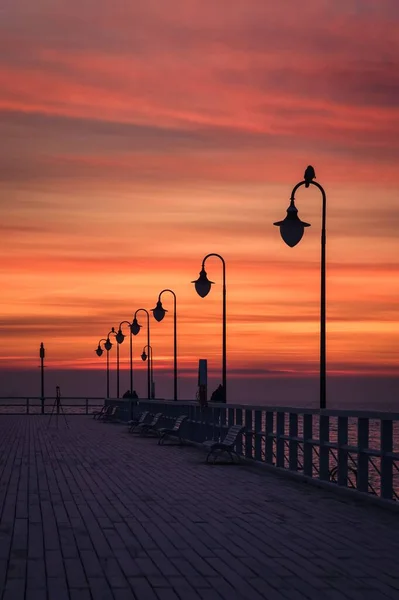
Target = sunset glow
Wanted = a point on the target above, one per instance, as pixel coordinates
(139, 137)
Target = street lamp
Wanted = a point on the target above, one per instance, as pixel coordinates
(203, 287)
(291, 230)
(99, 351)
(119, 338)
(135, 329)
(159, 312)
(151, 365)
(109, 344)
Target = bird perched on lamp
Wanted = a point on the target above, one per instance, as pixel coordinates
(309, 175)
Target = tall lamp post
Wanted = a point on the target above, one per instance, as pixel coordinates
(291, 230)
(119, 338)
(99, 351)
(113, 332)
(203, 287)
(159, 312)
(151, 364)
(135, 329)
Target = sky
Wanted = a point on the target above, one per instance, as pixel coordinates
(138, 137)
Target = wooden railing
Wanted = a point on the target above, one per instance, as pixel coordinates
(353, 449)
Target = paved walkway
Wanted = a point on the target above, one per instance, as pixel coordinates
(93, 513)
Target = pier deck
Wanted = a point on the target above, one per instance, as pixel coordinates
(93, 513)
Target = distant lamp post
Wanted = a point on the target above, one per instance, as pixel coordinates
(135, 329)
(144, 357)
(99, 351)
(120, 338)
(203, 287)
(292, 230)
(42, 354)
(159, 312)
(108, 345)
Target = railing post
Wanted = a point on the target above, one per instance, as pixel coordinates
(257, 438)
(239, 422)
(87, 406)
(293, 444)
(27, 406)
(342, 466)
(307, 445)
(324, 437)
(363, 459)
(269, 438)
(230, 417)
(280, 444)
(386, 461)
(249, 435)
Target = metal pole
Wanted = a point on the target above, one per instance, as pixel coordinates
(323, 399)
(224, 336)
(323, 366)
(117, 370)
(107, 351)
(131, 362)
(42, 354)
(149, 365)
(224, 342)
(175, 353)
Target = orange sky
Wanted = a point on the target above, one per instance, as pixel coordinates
(138, 137)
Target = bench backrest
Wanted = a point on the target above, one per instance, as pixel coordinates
(233, 434)
(178, 422)
(143, 416)
(156, 418)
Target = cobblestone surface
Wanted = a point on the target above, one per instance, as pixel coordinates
(94, 513)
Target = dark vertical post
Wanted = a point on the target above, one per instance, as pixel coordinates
(323, 305)
(42, 355)
(175, 350)
(107, 373)
(149, 386)
(308, 445)
(293, 442)
(269, 438)
(117, 370)
(386, 459)
(324, 438)
(363, 459)
(342, 451)
(131, 361)
(224, 373)
(280, 444)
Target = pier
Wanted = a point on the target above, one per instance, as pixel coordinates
(91, 512)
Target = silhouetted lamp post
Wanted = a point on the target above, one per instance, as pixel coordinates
(42, 354)
(99, 352)
(151, 365)
(113, 332)
(135, 329)
(119, 338)
(159, 312)
(203, 287)
(291, 230)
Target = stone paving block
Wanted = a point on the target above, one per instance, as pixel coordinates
(75, 573)
(36, 574)
(36, 594)
(100, 589)
(142, 589)
(14, 589)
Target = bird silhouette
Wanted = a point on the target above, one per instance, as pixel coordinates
(309, 175)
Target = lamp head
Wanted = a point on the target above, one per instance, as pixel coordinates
(99, 350)
(119, 336)
(291, 228)
(144, 355)
(135, 327)
(108, 344)
(159, 311)
(202, 284)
